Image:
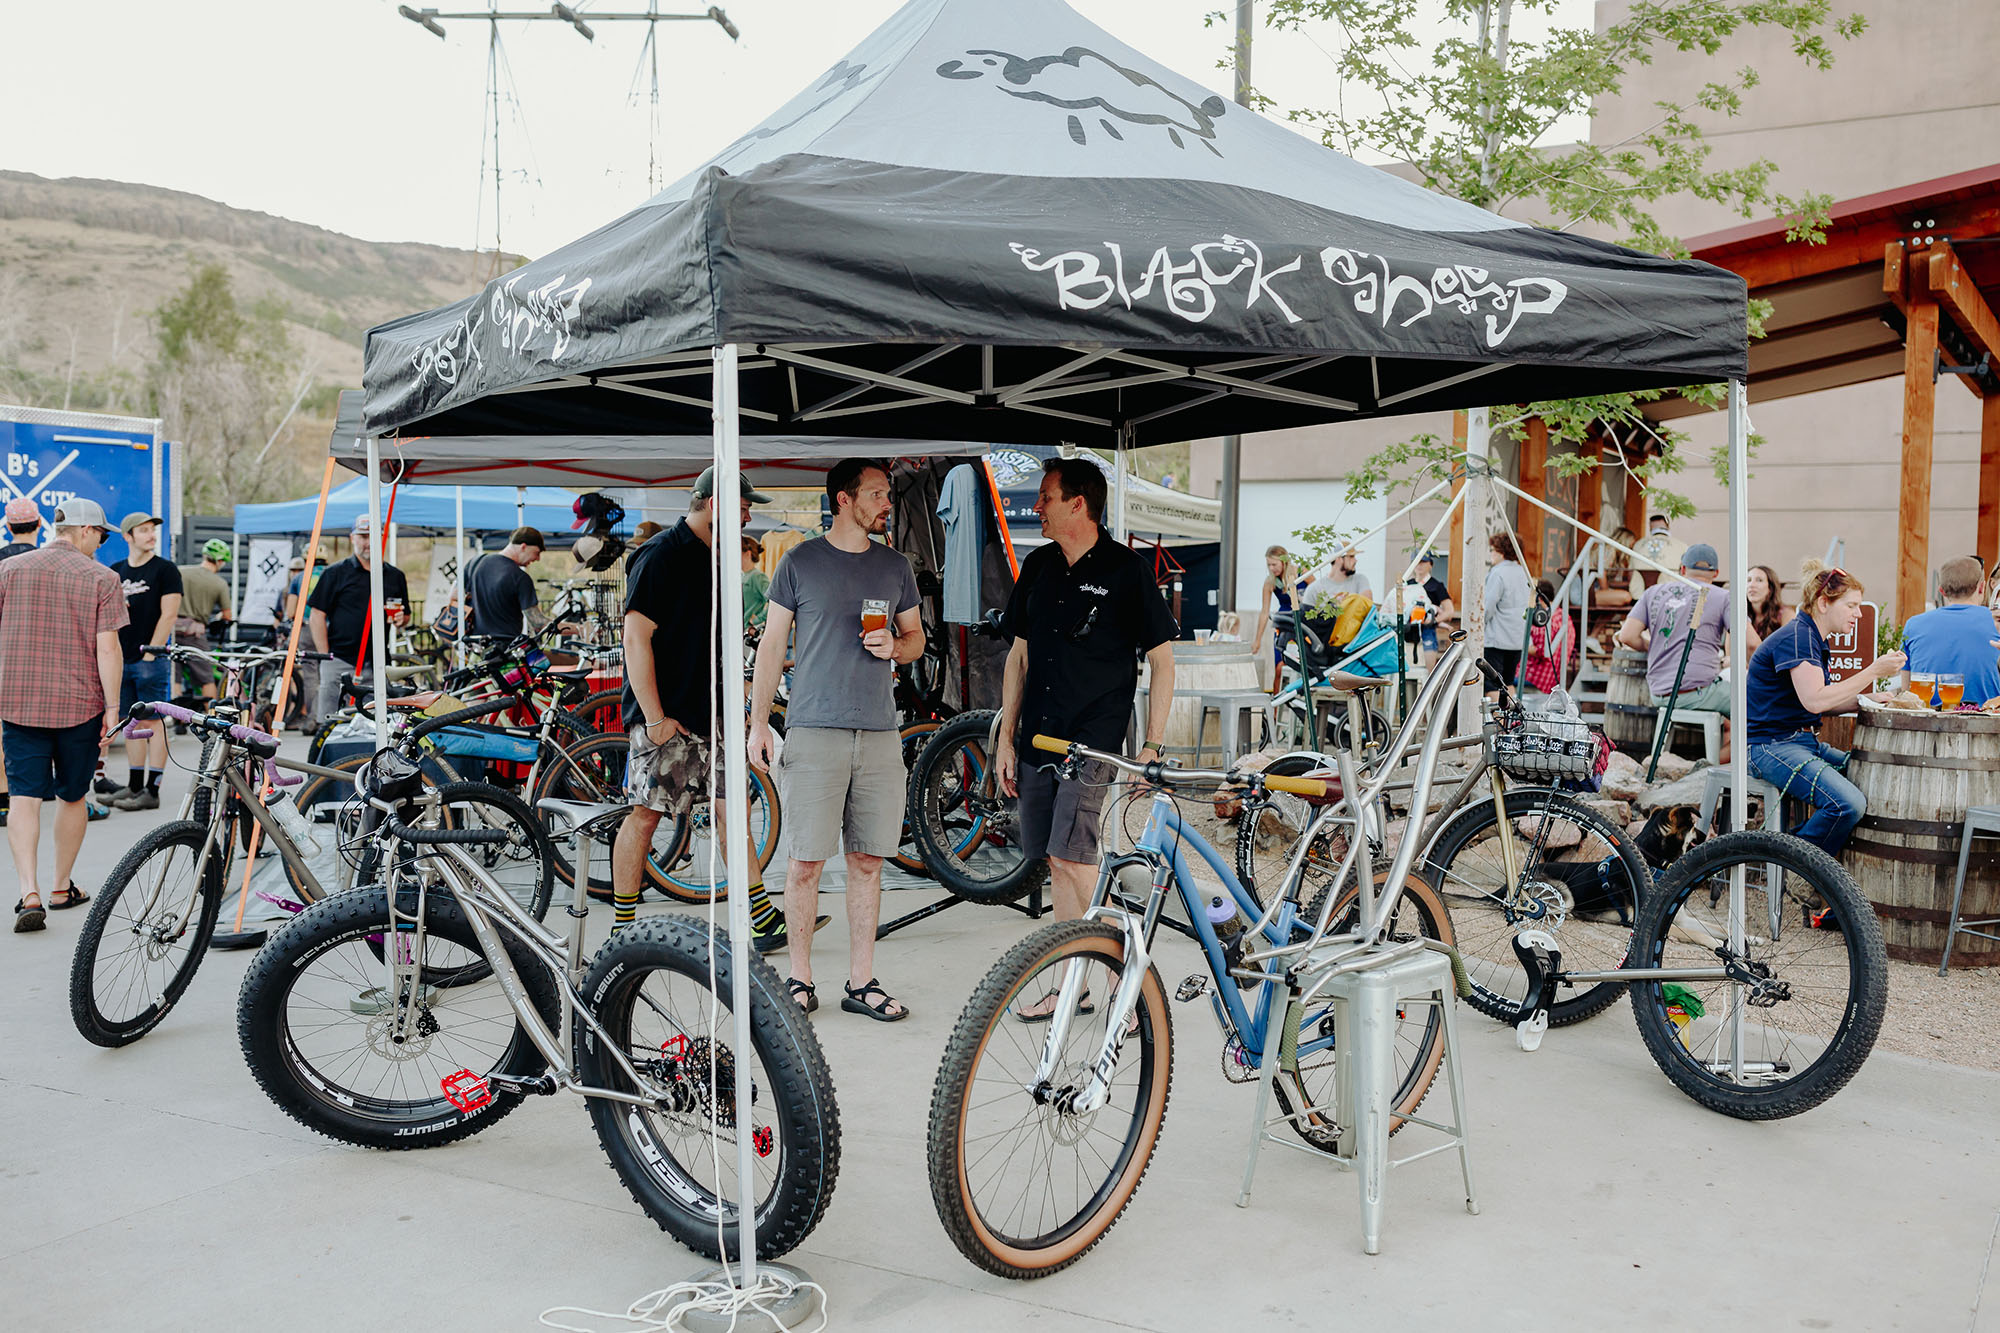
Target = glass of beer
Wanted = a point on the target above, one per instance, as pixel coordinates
(1923, 684)
(874, 614)
(1951, 691)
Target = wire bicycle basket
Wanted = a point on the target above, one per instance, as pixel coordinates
(1546, 747)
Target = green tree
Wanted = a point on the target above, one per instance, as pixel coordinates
(1467, 106)
(221, 378)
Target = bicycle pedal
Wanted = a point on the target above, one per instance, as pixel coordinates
(1193, 988)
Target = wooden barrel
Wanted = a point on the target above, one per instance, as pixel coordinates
(1920, 772)
(1629, 714)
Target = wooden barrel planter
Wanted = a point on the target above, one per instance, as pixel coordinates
(1920, 772)
(1629, 715)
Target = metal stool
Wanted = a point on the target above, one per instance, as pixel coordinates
(1365, 1005)
(1709, 722)
(1717, 782)
(1979, 819)
(1231, 707)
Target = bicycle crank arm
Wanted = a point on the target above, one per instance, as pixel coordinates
(1542, 961)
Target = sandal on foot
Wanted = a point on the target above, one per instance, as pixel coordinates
(1083, 1006)
(806, 995)
(28, 918)
(857, 1002)
(70, 896)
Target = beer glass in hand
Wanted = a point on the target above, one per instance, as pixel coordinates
(875, 617)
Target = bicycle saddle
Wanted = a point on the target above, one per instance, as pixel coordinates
(587, 817)
(1349, 682)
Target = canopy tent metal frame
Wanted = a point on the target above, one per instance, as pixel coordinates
(926, 270)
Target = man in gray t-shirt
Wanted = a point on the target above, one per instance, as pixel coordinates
(1658, 624)
(840, 774)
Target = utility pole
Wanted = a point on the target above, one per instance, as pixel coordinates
(1232, 445)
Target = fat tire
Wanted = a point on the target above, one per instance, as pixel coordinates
(932, 846)
(789, 1051)
(260, 1021)
(90, 1021)
(1868, 960)
(983, 1012)
(1523, 803)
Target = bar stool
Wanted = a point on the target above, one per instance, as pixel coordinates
(1980, 819)
(1717, 782)
(1709, 722)
(1231, 707)
(1365, 1011)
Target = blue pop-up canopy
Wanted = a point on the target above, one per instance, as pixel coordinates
(420, 509)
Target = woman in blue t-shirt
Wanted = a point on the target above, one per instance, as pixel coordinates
(1788, 691)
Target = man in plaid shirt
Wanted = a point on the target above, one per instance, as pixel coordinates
(60, 667)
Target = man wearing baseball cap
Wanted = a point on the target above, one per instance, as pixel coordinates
(60, 664)
(204, 599)
(1659, 623)
(24, 521)
(152, 601)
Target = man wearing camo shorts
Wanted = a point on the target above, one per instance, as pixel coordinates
(668, 711)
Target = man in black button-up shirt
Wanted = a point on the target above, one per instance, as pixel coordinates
(1083, 610)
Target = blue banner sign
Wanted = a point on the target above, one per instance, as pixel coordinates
(52, 457)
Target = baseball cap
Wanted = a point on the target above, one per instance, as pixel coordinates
(704, 487)
(137, 518)
(297, 566)
(215, 549)
(361, 524)
(81, 513)
(1699, 556)
(22, 510)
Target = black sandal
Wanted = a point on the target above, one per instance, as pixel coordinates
(28, 918)
(805, 988)
(71, 896)
(1083, 1006)
(855, 1003)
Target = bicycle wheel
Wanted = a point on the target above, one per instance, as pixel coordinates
(345, 854)
(651, 989)
(594, 770)
(1582, 880)
(915, 737)
(1024, 1188)
(966, 831)
(601, 713)
(1813, 998)
(1266, 839)
(146, 933)
(317, 1025)
(1305, 1086)
(685, 874)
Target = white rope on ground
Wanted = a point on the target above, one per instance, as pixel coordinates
(719, 1297)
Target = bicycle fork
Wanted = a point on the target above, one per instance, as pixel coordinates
(1096, 1089)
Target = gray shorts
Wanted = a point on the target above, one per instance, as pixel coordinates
(668, 776)
(840, 788)
(1713, 697)
(1061, 816)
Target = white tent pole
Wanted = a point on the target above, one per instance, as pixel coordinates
(458, 569)
(520, 506)
(1118, 525)
(395, 547)
(236, 575)
(1472, 563)
(735, 776)
(378, 630)
(1739, 686)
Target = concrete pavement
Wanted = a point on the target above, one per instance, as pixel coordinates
(155, 1187)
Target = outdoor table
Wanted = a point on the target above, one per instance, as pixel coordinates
(1920, 772)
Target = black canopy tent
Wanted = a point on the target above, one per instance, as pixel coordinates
(999, 223)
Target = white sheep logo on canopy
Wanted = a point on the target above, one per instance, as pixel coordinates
(1082, 80)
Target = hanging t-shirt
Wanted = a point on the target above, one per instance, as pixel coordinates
(963, 510)
(145, 587)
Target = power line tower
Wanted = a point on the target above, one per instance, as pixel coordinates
(577, 17)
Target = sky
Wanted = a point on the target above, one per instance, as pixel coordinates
(343, 114)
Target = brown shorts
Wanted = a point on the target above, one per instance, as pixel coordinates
(667, 776)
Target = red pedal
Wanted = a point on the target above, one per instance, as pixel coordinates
(467, 1091)
(763, 1140)
(675, 1047)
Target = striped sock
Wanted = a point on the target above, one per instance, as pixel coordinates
(624, 910)
(762, 913)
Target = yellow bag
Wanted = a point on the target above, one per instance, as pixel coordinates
(1353, 616)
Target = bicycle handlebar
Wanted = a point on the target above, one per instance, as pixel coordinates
(259, 743)
(498, 704)
(425, 837)
(1159, 773)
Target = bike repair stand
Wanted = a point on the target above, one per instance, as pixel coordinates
(1032, 909)
(1367, 1004)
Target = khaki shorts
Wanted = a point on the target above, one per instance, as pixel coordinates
(1712, 698)
(1061, 817)
(667, 776)
(841, 789)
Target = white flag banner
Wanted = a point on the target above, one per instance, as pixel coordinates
(265, 579)
(444, 573)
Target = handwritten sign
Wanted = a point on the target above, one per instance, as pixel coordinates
(1848, 654)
